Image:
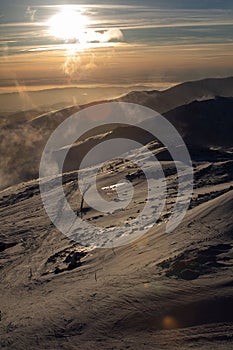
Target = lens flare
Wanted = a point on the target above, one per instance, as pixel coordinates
(169, 322)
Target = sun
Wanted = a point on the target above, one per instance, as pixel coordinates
(68, 25)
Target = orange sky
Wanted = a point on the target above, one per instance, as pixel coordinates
(121, 65)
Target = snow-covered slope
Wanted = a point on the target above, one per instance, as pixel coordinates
(164, 291)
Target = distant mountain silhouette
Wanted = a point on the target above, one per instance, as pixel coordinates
(207, 123)
(202, 124)
(163, 101)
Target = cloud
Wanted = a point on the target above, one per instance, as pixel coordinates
(104, 36)
(78, 65)
(30, 13)
(25, 98)
(71, 64)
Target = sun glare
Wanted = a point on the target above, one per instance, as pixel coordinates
(68, 25)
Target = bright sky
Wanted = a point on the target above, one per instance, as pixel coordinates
(116, 43)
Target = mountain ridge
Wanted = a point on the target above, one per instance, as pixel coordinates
(25, 137)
